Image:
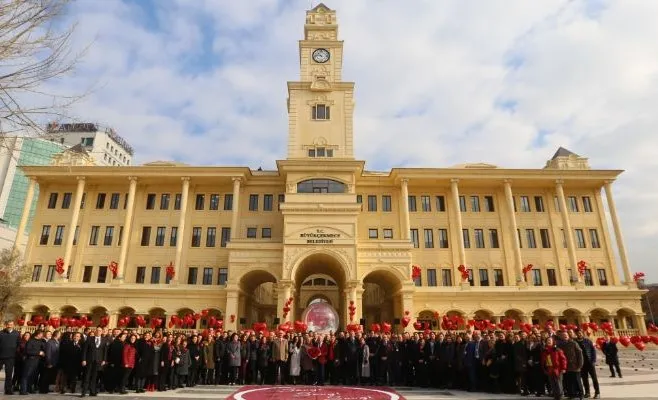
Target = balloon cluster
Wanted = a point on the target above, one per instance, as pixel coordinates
(415, 272)
(82, 322)
(527, 269)
(463, 272)
(104, 321)
(481, 324)
(582, 266)
(186, 321)
(300, 327)
(406, 319)
(286, 307)
(452, 323)
(652, 328)
(354, 327)
(285, 327)
(59, 265)
(352, 310)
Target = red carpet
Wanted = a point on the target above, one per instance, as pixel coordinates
(314, 392)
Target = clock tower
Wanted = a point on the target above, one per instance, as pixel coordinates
(320, 104)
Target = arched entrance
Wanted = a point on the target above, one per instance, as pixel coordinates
(381, 300)
(319, 276)
(259, 300)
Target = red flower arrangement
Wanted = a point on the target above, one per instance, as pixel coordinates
(415, 272)
(464, 272)
(638, 276)
(527, 269)
(582, 266)
(59, 265)
(114, 268)
(171, 272)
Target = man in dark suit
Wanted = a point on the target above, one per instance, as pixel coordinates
(9, 338)
(34, 351)
(94, 356)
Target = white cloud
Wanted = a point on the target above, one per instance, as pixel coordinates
(204, 82)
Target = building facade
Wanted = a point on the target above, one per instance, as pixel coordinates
(322, 228)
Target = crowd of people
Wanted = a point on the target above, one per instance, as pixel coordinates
(539, 363)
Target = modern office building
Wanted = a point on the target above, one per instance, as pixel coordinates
(321, 229)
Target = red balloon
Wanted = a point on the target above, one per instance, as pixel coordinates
(640, 346)
(386, 327)
(375, 327)
(418, 326)
(204, 313)
(654, 339)
(405, 321)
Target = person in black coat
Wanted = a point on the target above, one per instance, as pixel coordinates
(610, 350)
(115, 363)
(144, 361)
(219, 350)
(34, 351)
(350, 353)
(94, 357)
(70, 355)
(9, 339)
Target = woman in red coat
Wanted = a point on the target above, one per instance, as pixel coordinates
(128, 361)
(554, 363)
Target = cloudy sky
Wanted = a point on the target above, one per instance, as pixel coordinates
(437, 83)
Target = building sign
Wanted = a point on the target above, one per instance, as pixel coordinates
(319, 236)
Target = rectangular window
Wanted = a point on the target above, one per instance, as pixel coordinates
(594, 239)
(425, 203)
(214, 202)
(120, 236)
(84, 199)
(440, 203)
(76, 234)
(386, 203)
(311, 152)
(150, 201)
(87, 272)
(372, 203)
(412, 203)
(268, 201)
(114, 201)
(471, 279)
(155, 275)
(196, 236)
(125, 201)
(587, 204)
(266, 233)
(66, 200)
(573, 203)
(499, 280)
(222, 276)
(414, 238)
(572, 275)
(530, 238)
(36, 273)
(373, 233)
(192, 274)
(443, 238)
(446, 277)
(160, 233)
(484, 277)
(564, 239)
(431, 277)
(359, 199)
(580, 239)
(199, 202)
(467, 238)
(493, 238)
(211, 236)
(536, 277)
(146, 235)
(479, 238)
(207, 276)
(252, 233)
(388, 233)
(226, 236)
(164, 201)
(462, 203)
(50, 275)
(524, 202)
(518, 236)
(603, 279)
(429, 238)
(109, 236)
(557, 204)
(418, 281)
(59, 235)
(45, 235)
(475, 204)
(177, 200)
(587, 277)
(539, 204)
(100, 201)
(173, 236)
(93, 237)
(552, 277)
(141, 275)
(545, 239)
(281, 199)
(102, 274)
(489, 204)
(514, 203)
(253, 202)
(320, 112)
(228, 202)
(52, 201)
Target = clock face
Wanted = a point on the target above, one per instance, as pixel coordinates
(321, 55)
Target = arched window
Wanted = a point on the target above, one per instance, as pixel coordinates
(320, 186)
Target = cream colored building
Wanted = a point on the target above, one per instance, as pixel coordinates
(321, 227)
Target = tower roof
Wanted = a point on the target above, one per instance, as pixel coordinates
(322, 7)
(562, 152)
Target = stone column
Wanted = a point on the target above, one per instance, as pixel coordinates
(406, 224)
(25, 214)
(180, 238)
(457, 223)
(513, 232)
(236, 209)
(232, 298)
(114, 319)
(568, 232)
(628, 278)
(70, 230)
(556, 322)
(28, 318)
(408, 305)
(127, 230)
(641, 325)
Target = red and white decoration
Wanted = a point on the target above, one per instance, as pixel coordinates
(463, 272)
(582, 266)
(114, 268)
(59, 266)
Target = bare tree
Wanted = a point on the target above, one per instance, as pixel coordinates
(13, 275)
(34, 51)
